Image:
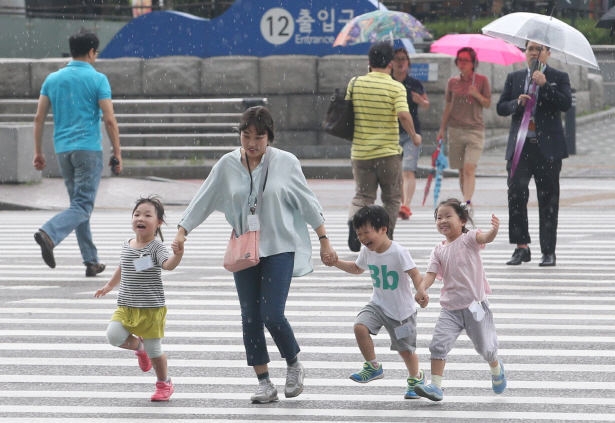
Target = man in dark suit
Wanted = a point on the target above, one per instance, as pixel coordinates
(542, 154)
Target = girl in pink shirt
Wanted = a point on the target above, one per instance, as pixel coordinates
(457, 262)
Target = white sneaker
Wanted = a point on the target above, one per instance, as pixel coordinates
(266, 392)
(294, 380)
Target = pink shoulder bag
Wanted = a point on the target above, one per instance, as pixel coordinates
(242, 251)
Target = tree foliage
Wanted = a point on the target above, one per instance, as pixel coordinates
(441, 28)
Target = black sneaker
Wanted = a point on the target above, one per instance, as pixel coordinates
(93, 269)
(353, 239)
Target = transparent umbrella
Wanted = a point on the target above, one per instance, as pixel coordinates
(565, 42)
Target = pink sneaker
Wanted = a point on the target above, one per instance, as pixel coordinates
(164, 390)
(144, 362)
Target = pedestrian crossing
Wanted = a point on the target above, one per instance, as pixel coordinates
(555, 327)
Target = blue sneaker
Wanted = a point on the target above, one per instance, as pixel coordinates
(412, 382)
(368, 373)
(499, 387)
(430, 391)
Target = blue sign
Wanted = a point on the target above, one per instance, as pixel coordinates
(248, 27)
(424, 71)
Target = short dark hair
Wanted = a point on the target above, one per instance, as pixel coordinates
(82, 42)
(460, 208)
(262, 120)
(375, 215)
(154, 200)
(472, 54)
(547, 47)
(403, 50)
(380, 55)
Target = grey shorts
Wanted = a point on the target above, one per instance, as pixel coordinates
(372, 317)
(410, 161)
(449, 326)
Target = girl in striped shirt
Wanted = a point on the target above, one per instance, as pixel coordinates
(138, 323)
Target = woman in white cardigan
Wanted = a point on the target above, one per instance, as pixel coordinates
(285, 248)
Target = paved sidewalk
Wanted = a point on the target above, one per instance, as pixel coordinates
(588, 180)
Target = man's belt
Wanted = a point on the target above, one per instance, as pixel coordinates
(533, 140)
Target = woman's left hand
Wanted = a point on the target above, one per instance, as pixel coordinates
(473, 91)
(327, 253)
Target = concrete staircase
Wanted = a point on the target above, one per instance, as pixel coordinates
(181, 138)
(184, 138)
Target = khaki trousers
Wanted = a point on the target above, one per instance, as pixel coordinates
(368, 176)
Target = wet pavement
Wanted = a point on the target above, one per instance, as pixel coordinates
(588, 178)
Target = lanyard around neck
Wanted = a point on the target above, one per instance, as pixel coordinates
(262, 185)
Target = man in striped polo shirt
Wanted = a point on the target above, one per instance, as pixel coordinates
(378, 102)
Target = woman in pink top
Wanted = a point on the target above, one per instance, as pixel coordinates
(466, 97)
(457, 262)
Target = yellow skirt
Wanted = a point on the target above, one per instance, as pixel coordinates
(147, 323)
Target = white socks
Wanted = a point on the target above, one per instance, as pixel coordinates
(437, 380)
(495, 371)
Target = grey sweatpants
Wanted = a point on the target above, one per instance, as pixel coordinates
(449, 326)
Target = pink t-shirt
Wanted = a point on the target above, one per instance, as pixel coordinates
(460, 266)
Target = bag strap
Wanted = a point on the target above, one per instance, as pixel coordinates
(263, 181)
(352, 87)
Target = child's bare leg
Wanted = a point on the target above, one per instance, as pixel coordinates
(160, 366)
(412, 362)
(494, 363)
(365, 342)
(437, 367)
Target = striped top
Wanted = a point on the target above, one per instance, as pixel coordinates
(142, 289)
(376, 98)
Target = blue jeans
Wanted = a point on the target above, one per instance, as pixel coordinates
(81, 170)
(262, 291)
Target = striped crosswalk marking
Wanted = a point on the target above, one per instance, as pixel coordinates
(554, 326)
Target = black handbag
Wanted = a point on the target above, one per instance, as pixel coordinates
(339, 120)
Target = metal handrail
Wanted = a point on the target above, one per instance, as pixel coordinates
(176, 125)
(227, 135)
(183, 148)
(159, 101)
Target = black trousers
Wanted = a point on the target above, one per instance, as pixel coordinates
(546, 176)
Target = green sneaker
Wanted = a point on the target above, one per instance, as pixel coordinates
(368, 373)
(412, 382)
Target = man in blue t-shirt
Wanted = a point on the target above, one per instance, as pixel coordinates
(79, 96)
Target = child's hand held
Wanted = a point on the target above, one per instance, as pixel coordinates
(422, 298)
(328, 259)
(178, 248)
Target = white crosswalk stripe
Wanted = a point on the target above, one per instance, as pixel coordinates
(555, 328)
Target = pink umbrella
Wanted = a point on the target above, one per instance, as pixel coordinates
(488, 49)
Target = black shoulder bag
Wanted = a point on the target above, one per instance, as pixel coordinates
(339, 120)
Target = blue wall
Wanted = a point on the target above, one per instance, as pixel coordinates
(248, 27)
